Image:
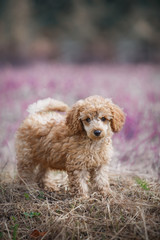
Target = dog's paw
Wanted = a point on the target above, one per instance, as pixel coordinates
(51, 187)
(105, 193)
(78, 194)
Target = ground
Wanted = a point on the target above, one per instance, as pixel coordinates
(131, 212)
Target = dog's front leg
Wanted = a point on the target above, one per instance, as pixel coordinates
(99, 180)
(78, 183)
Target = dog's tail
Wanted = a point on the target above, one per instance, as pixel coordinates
(47, 105)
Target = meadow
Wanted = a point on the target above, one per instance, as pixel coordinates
(134, 210)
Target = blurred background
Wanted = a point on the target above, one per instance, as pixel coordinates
(80, 31)
(72, 49)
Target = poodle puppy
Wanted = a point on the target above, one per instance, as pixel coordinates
(76, 140)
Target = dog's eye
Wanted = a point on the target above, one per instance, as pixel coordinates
(103, 119)
(88, 120)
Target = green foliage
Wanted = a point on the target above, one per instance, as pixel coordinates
(13, 218)
(32, 214)
(41, 195)
(15, 228)
(27, 197)
(59, 211)
(1, 235)
(142, 183)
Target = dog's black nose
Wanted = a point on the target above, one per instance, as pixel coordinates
(97, 133)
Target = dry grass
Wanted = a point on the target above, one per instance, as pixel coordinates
(133, 212)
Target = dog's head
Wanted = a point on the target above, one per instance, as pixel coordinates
(96, 116)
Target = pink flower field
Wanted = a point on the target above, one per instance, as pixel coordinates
(135, 88)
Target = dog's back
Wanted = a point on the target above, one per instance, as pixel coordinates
(43, 115)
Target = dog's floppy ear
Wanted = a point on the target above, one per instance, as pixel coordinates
(118, 117)
(73, 118)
